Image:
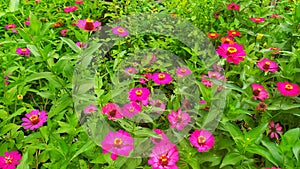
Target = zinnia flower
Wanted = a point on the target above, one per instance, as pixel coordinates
(89, 25)
(34, 119)
(257, 20)
(267, 65)
(152, 60)
(213, 35)
(259, 92)
(161, 78)
(10, 26)
(70, 9)
(130, 70)
(10, 160)
(274, 130)
(234, 33)
(275, 16)
(288, 89)
(23, 51)
(78, 2)
(27, 22)
(90, 109)
(227, 40)
(164, 156)
(139, 95)
(81, 45)
(232, 52)
(64, 32)
(112, 111)
(261, 107)
(205, 81)
(118, 143)
(159, 106)
(179, 119)
(275, 50)
(118, 30)
(233, 6)
(131, 109)
(202, 140)
(273, 168)
(161, 134)
(183, 71)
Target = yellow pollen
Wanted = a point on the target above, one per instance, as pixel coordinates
(212, 34)
(161, 76)
(34, 119)
(259, 89)
(214, 75)
(23, 50)
(183, 70)
(120, 30)
(257, 19)
(288, 87)
(231, 49)
(201, 140)
(139, 92)
(131, 109)
(89, 20)
(163, 158)
(8, 160)
(234, 33)
(118, 141)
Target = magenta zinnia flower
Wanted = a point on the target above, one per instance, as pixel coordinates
(64, 32)
(233, 6)
(10, 160)
(139, 95)
(161, 78)
(10, 26)
(257, 20)
(232, 52)
(70, 9)
(131, 109)
(118, 30)
(81, 45)
(90, 109)
(183, 71)
(205, 81)
(89, 25)
(78, 2)
(288, 89)
(259, 92)
(118, 143)
(34, 119)
(130, 70)
(274, 130)
(161, 134)
(23, 51)
(112, 111)
(179, 119)
(159, 106)
(267, 65)
(273, 168)
(202, 140)
(164, 156)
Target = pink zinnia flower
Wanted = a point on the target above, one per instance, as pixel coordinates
(89, 25)
(275, 50)
(27, 22)
(257, 20)
(275, 16)
(164, 156)
(34, 119)
(23, 51)
(273, 168)
(234, 33)
(161, 78)
(232, 52)
(10, 26)
(202, 140)
(233, 6)
(118, 30)
(259, 92)
(215, 75)
(179, 119)
(205, 81)
(267, 65)
(161, 134)
(131, 109)
(70, 9)
(130, 71)
(78, 2)
(118, 143)
(213, 35)
(10, 160)
(274, 130)
(202, 102)
(159, 106)
(183, 71)
(139, 95)
(112, 111)
(288, 89)
(90, 109)
(64, 32)
(81, 45)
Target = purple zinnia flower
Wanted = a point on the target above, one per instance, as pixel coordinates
(34, 119)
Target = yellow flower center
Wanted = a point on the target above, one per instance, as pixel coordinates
(212, 34)
(8, 160)
(183, 70)
(161, 76)
(138, 92)
(257, 19)
(267, 63)
(23, 50)
(120, 30)
(164, 160)
(131, 109)
(231, 50)
(288, 87)
(201, 140)
(234, 33)
(34, 119)
(89, 20)
(118, 142)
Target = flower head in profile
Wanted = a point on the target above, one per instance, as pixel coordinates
(234, 33)
(139, 95)
(259, 92)
(273, 168)
(118, 143)
(162, 78)
(274, 130)
(130, 71)
(90, 109)
(10, 160)
(233, 6)
(23, 51)
(205, 81)
(81, 45)
(227, 40)
(11, 27)
(158, 105)
(112, 111)
(275, 50)
(78, 2)
(213, 35)
(118, 30)
(179, 119)
(267, 65)
(202, 140)
(288, 89)
(89, 25)
(233, 53)
(257, 20)
(34, 119)
(183, 71)
(275, 16)
(131, 109)
(164, 156)
(70, 9)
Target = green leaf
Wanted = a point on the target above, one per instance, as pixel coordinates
(234, 131)
(132, 163)
(254, 134)
(257, 149)
(71, 44)
(13, 5)
(296, 150)
(9, 127)
(24, 161)
(273, 149)
(89, 145)
(231, 158)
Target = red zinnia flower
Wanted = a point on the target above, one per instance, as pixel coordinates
(234, 33)
(112, 111)
(213, 35)
(275, 50)
(288, 89)
(233, 6)
(70, 9)
(257, 20)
